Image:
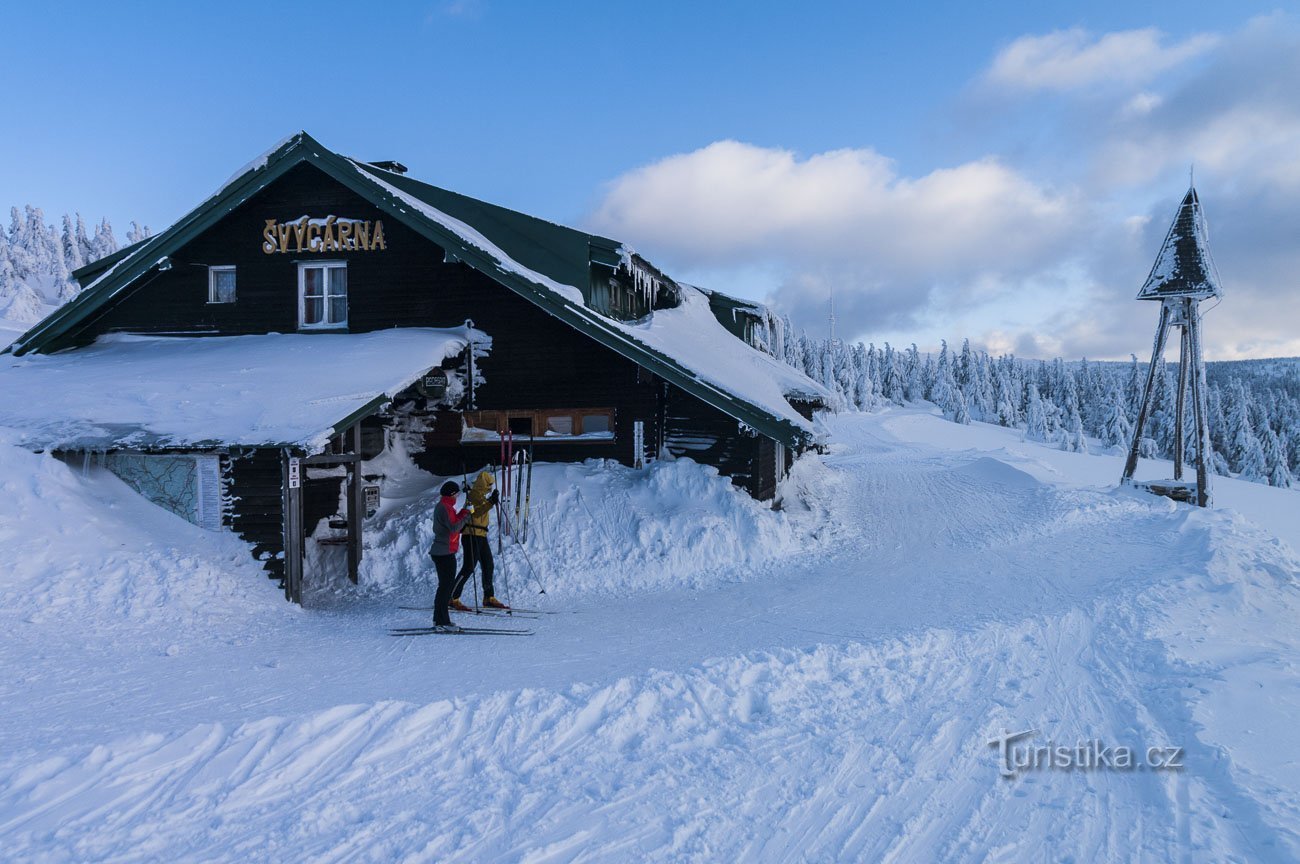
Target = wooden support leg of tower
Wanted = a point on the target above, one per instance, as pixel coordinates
(1200, 409)
(1162, 329)
(1184, 356)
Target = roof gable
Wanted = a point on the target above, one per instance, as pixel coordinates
(545, 263)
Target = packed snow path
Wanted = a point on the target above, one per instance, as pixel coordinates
(834, 703)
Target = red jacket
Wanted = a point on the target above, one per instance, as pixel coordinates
(450, 526)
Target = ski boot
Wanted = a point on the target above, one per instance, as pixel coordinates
(494, 603)
(457, 606)
(446, 628)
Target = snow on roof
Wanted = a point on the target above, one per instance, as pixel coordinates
(474, 237)
(692, 336)
(153, 391)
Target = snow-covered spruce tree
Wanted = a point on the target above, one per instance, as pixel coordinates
(138, 233)
(913, 388)
(71, 248)
(103, 243)
(895, 385)
(1008, 414)
(960, 410)
(1116, 431)
(1276, 470)
(1037, 427)
(1071, 435)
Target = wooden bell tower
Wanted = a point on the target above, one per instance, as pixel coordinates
(1183, 276)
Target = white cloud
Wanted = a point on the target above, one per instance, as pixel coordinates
(844, 217)
(1073, 59)
(981, 249)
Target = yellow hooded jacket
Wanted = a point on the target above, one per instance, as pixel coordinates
(477, 497)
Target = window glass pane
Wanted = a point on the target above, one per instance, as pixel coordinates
(338, 310)
(313, 310)
(338, 281)
(559, 425)
(595, 423)
(312, 282)
(222, 286)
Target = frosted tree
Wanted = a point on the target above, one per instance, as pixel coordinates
(1037, 426)
(913, 388)
(103, 243)
(71, 249)
(1008, 413)
(1116, 430)
(20, 247)
(137, 234)
(895, 385)
(1276, 470)
(1133, 384)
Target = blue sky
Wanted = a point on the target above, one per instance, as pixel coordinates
(1002, 171)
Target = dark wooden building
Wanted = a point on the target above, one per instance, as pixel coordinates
(521, 327)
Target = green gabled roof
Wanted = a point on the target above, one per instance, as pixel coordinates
(560, 252)
(543, 262)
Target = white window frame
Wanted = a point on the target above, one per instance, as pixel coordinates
(325, 324)
(212, 294)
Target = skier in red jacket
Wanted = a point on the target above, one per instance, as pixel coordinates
(447, 522)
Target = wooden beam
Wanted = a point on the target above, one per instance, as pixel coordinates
(332, 459)
(1157, 351)
(1200, 408)
(1184, 356)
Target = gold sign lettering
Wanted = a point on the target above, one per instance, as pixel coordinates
(330, 234)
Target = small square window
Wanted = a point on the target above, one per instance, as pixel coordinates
(221, 284)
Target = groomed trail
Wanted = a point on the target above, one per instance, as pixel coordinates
(831, 701)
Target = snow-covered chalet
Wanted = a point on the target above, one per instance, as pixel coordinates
(248, 367)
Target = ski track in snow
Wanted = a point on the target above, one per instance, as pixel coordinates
(832, 705)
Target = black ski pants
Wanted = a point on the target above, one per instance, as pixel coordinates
(446, 567)
(477, 551)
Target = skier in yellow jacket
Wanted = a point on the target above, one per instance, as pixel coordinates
(482, 497)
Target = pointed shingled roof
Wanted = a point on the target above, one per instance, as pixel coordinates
(1184, 267)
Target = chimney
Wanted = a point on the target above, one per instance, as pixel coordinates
(389, 165)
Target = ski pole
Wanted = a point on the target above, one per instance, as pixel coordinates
(528, 490)
(505, 571)
(529, 562)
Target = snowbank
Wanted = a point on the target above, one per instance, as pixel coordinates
(599, 528)
(82, 548)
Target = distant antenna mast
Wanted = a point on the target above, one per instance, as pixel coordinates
(832, 315)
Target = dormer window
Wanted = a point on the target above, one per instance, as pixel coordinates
(322, 295)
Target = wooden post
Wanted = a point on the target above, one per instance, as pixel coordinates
(356, 505)
(292, 484)
(1183, 357)
(1157, 351)
(1200, 409)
